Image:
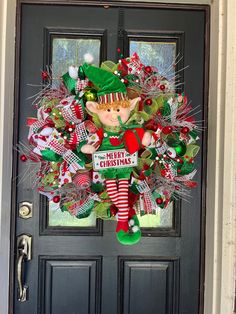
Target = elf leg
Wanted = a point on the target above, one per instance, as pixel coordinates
(112, 190)
(123, 205)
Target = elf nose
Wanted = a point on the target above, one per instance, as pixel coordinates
(114, 116)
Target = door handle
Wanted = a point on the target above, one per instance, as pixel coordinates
(24, 254)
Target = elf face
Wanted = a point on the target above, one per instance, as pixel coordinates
(109, 117)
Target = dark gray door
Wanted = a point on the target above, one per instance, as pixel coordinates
(79, 267)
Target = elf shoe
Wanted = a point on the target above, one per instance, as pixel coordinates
(126, 236)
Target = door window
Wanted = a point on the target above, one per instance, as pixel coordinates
(71, 51)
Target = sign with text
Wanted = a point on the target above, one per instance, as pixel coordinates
(114, 159)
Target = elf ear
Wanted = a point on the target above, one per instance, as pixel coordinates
(92, 106)
(133, 102)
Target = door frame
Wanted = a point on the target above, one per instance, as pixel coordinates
(220, 165)
(124, 4)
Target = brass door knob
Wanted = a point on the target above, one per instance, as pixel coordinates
(25, 210)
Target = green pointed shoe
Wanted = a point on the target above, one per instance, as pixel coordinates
(127, 238)
(130, 237)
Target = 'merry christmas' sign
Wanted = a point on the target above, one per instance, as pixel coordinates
(114, 159)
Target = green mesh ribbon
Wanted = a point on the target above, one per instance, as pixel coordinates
(50, 155)
(69, 82)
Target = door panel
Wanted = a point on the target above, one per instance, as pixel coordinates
(86, 298)
(141, 277)
(81, 268)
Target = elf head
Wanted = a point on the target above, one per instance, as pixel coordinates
(112, 96)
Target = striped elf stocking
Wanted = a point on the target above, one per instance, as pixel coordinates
(119, 197)
(123, 205)
(112, 190)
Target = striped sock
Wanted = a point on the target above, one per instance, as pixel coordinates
(123, 200)
(112, 190)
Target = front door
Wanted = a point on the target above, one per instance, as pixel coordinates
(77, 266)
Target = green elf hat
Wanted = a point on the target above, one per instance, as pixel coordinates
(110, 88)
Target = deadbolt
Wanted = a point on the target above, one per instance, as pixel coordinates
(25, 210)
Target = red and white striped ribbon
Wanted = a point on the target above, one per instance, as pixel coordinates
(35, 127)
(149, 203)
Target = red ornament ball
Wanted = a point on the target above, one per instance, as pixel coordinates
(118, 50)
(48, 110)
(146, 167)
(162, 87)
(56, 199)
(167, 129)
(148, 69)
(148, 102)
(159, 200)
(185, 130)
(23, 158)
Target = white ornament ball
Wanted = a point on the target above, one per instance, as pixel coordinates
(88, 58)
(73, 72)
(131, 222)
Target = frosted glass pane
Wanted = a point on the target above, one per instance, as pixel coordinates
(163, 218)
(66, 52)
(64, 219)
(159, 54)
(71, 51)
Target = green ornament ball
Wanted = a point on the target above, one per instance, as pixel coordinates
(179, 146)
(90, 95)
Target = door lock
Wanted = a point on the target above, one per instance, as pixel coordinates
(24, 254)
(25, 210)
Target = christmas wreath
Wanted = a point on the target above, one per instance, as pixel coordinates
(116, 140)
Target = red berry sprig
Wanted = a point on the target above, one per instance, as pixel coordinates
(23, 158)
(45, 75)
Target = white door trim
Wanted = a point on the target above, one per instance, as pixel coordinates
(221, 214)
(220, 211)
(7, 49)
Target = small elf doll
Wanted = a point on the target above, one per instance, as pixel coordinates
(113, 109)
